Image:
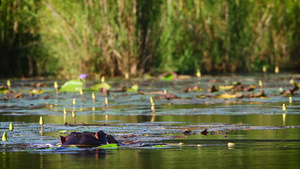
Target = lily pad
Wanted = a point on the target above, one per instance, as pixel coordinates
(3, 89)
(134, 88)
(71, 86)
(36, 91)
(96, 87)
(227, 96)
(227, 87)
(167, 77)
(109, 146)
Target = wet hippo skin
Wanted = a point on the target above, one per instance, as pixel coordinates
(87, 139)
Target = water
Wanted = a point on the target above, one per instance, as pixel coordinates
(243, 155)
(263, 135)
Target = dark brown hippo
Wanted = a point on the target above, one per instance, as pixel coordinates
(87, 139)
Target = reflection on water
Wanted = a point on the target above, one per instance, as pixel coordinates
(243, 155)
(253, 119)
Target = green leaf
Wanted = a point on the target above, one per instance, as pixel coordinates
(36, 91)
(158, 146)
(96, 87)
(109, 146)
(3, 90)
(71, 86)
(73, 147)
(167, 77)
(133, 88)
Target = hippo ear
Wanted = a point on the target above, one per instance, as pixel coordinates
(62, 139)
(96, 135)
(101, 136)
(101, 133)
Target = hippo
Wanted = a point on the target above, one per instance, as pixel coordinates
(87, 139)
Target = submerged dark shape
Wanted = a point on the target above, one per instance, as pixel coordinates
(242, 87)
(191, 89)
(213, 89)
(203, 96)
(87, 139)
(167, 96)
(261, 93)
(204, 132)
(290, 91)
(104, 91)
(188, 132)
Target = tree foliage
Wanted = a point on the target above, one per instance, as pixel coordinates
(118, 37)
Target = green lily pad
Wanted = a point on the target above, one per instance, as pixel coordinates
(36, 91)
(3, 90)
(73, 147)
(71, 86)
(96, 87)
(109, 146)
(167, 77)
(226, 87)
(134, 88)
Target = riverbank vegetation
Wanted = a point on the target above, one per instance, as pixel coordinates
(114, 38)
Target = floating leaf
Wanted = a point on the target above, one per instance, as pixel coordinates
(158, 146)
(109, 146)
(227, 96)
(36, 91)
(71, 86)
(167, 77)
(227, 87)
(73, 147)
(133, 88)
(3, 89)
(98, 86)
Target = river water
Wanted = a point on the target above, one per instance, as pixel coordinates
(263, 135)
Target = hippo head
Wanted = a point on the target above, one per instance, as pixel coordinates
(85, 139)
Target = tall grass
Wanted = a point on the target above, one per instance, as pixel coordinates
(115, 37)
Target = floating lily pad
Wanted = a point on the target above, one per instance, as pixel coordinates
(36, 91)
(109, 146)
(167, 77)
(98, 86)
(71, 86)
(134, 88)
(227, 87)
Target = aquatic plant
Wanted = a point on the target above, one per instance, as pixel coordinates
(56, 87)
(94, 97)
(4, 136)
(11, 126)
(106, 102)
(284, 107)
(41, 121)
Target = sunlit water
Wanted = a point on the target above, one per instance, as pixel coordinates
(263, 135)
